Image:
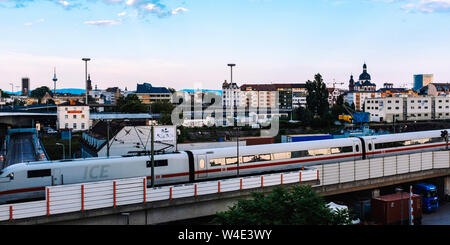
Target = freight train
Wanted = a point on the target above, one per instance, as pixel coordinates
(28, 180)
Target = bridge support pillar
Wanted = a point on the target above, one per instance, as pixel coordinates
(376, 193)
(447, 187)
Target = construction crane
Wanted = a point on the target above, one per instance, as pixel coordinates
(334, 83)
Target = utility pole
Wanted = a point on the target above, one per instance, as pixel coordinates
(107, 140)
(152, 145)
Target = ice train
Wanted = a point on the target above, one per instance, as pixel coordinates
(28, 180)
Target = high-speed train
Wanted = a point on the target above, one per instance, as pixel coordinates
(28, 180)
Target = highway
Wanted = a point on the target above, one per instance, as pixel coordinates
(21, 149)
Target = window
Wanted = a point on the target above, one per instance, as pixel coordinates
(265, 157)
(66, 125)
(82, 126)
(217, 162)
(67, 117)
(370, 147)
(249, 159)
(158, 163)
(82, 116)
(39, 173)
(74, 125)
(74, 116)
(231, 160)
(202, 163)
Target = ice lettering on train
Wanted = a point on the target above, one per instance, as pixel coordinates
(96, 172)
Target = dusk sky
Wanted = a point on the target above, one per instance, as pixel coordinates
(187, 44)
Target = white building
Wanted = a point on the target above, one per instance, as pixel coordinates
(408, 108)
(73, 115)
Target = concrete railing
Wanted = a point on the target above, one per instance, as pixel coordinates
(105, 194)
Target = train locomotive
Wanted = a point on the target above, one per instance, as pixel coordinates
(28, 180)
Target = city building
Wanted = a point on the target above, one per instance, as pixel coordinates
(148, 94)
(361, 90)
(408, 108)
(422, 80)
(389, 91)
(25, 86)
(333, 95)
(231, 95)
(73, 115)
(436, 89)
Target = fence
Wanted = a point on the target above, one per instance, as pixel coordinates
(338, 173)
(105, 194)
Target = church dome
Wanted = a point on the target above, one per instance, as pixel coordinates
(364, 76)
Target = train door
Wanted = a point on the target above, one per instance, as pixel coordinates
(202, 166)
(57, 177)
(370, 148)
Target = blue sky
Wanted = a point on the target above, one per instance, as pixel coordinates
(186, 44)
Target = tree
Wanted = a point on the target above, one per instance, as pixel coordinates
(164, 108)
(40, 92)
(300, 206)
(317, 98)
(131, 104)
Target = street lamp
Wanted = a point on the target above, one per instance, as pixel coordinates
(64, 151)
(86, 78)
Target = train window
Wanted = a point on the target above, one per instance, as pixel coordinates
(345, 149)
(281, 156)
(357, 148)
(202, 163)
(39, 173)
(265, 157)
(297, 154)
(217, 162)
(158, 163)
(370, 147)
(249, 159)
(318, 152)
(231, 160)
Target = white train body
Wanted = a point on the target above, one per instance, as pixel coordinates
(28, 180)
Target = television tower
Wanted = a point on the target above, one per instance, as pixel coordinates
(54, 81)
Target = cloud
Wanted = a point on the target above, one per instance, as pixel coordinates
(35, 22)
(143, 7)
(102, 22)
(422, 6)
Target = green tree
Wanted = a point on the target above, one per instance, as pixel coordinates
(3, 94)
(131, 104)
(317, 98)
(300, 206)
(40, 92)
(164, 108)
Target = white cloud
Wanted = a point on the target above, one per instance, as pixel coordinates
(424, 6)
(179, 10)
(122, 14)
(102, 22)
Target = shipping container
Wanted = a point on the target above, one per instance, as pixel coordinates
(387, 210)
(258, 140)
(305, 137)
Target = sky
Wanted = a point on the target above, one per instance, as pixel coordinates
(187, 44)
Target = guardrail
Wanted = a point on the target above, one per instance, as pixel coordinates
(343, 172)
(106, 194)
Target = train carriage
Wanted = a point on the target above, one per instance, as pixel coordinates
(28, 180)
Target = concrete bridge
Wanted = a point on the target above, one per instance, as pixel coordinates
(331, 179)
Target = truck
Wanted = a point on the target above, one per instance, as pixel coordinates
(428, 192)
(393, 209)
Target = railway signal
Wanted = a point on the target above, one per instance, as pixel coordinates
(444, 135)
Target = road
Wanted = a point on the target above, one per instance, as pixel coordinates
(440, 217)
(21, 149)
